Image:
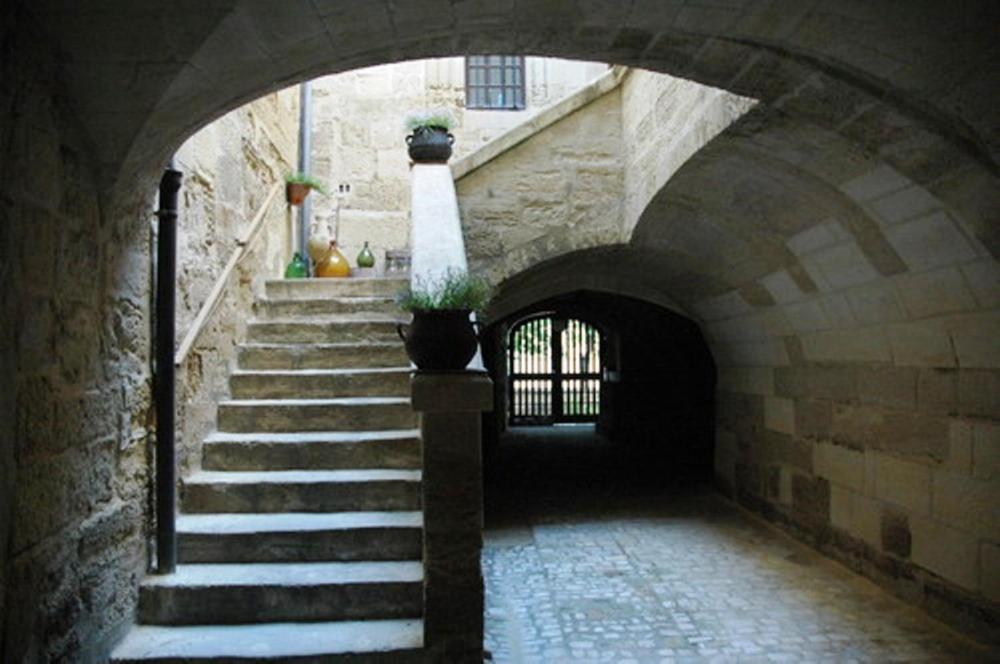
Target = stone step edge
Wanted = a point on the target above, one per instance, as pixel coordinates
(333, 437)
(226, 523)
(298, 373)
(278, 642)
(332, 402)
(286, 575)
(313, 320)
(327, 280)
(325, 346)
(352, 299)
(268, 477)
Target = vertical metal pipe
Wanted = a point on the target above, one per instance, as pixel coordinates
(166, 466)
(305, 148)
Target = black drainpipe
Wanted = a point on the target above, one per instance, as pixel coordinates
(166, 466)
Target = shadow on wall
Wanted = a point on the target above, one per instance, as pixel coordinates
(656, 425)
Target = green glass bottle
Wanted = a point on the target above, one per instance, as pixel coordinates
(366, 258)
(298, 268)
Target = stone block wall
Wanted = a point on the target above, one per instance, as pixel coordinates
(74, 374)
(76, 447)
(864, 415)
(359, 136)
(229, 168)
(554, 193)
(665, 120)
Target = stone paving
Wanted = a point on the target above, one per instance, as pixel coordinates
(587, 561)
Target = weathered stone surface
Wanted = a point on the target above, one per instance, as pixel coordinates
(779, 414)
(813, 418)
(937, 391)
(891, 387)
(903, 483)
(567, 177)
(979, 392)
(301, 491)
(298, 537)
(450, 407)
(945, 551)
(282, 592)
(968, 504)
(986, 450)
(989, 564)
(841, 465)
(303, 450)
(895, 534)
(811, 500)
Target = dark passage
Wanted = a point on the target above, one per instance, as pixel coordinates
(654, 427)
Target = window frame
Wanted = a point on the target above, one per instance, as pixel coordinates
(517, 90)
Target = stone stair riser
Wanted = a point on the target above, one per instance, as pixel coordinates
(325, 307)
(392, 657)
(387, 495)
(301, 546)
(308, 357)
(292, 332)
(286, 418)
(320, 288)
(395, 454)
(217, 605)
(320, 386)
(359, 642)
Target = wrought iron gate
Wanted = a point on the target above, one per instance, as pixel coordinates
(554, 370)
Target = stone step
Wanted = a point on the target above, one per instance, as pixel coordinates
(318, 450)
(372, 327)
(271, 643)
(292, 308)
(311, 289)
(323, 356)
(301, 491)
(291, 415)
(274, 592)
(299, 537)
(320, 383)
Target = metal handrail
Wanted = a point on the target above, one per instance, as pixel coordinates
(218, 289)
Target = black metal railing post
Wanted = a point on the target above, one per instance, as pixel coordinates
(166, 465)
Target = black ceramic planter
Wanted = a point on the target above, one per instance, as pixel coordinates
(440, 340)
(430, 145)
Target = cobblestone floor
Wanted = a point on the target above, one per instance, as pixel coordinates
(586, 562)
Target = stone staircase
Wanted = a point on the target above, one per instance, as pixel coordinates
(299, 539)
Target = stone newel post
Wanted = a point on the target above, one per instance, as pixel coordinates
(450, 407)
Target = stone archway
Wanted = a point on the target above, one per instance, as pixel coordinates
(838, 246)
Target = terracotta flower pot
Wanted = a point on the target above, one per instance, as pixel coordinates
(296, 192)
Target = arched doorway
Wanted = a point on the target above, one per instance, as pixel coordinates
(555, 365)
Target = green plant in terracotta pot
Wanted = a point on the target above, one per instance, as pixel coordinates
(441, 336)
(298, 186)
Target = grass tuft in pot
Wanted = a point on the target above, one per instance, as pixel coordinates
(456, 291)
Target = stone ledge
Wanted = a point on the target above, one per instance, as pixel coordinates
(543, 119)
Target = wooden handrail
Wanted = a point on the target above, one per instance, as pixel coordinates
(218, 289)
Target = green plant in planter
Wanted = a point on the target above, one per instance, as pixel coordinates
(441, 336)
(306, 180)
(456, 291)
(429, 141)
(434, 119)
(298, 186)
